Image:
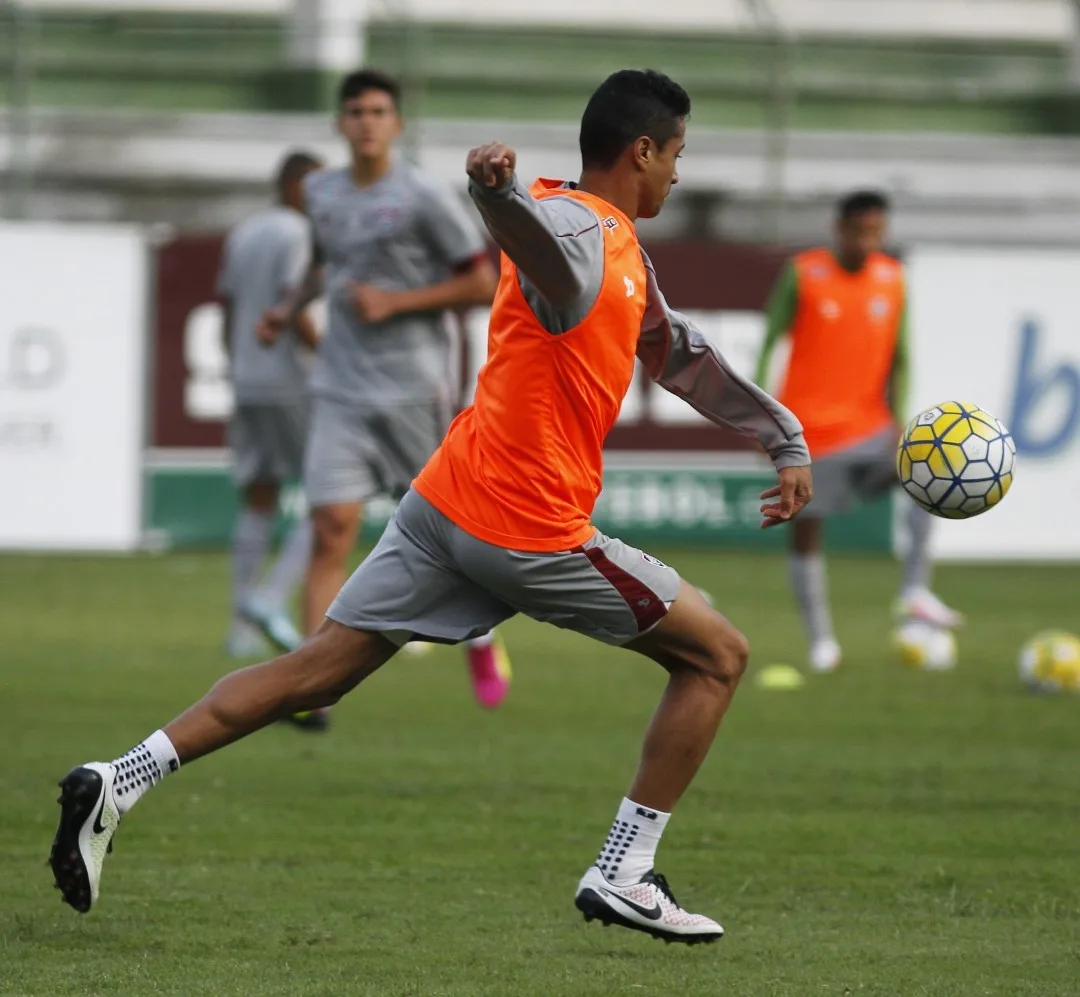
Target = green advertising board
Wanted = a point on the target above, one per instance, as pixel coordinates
(193, 506)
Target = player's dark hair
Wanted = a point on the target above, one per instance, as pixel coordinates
(369, 79)
(859, 202)
(630, 104)
(294, 167)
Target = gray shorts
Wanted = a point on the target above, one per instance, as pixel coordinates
(356, 452)
(428, 579)
(267, 441)
(857, 474)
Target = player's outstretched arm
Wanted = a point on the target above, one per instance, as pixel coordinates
(680, 359)
(521, 226)
(779, 318)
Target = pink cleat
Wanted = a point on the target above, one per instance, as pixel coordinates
(489, 668)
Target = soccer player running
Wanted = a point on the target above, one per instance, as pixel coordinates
(845, 310)
(396, 251)
(497, 523)
(264, 258)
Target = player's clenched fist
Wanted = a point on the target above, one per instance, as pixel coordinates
(491, 165)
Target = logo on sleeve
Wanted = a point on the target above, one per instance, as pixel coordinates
(610, 222)
(629, 284)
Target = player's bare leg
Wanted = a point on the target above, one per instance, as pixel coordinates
(335, 528)
(334, 532)
(330, 663)
(705, 657)
(95, 796)
(810, 584)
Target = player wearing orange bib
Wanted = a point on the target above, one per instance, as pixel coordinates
(845, 312)
(498, 522)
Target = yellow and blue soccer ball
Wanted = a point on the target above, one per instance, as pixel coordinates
(1050, 662)
(956, 460)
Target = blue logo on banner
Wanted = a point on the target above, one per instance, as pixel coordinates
(1033, 388)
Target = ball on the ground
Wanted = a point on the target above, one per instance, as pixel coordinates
(924, 646)
(1050, 662)
(956, 460)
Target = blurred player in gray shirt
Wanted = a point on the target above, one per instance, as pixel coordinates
(395, 252)
(263, 258)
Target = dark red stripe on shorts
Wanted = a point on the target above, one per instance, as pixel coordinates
(648, 608)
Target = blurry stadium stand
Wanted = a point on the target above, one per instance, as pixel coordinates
(966, 110)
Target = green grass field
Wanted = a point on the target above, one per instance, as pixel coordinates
(877, 832)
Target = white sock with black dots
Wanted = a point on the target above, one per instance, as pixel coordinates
(630, 849)
(142, 767)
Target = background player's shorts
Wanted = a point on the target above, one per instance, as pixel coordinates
(267, 441)
(857, 474)
(428, 578)
(356, 451)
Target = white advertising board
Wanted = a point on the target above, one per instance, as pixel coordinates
(71, 386)
(1002, 329)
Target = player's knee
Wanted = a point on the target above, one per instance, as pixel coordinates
(333, 532)
(332, 662)
(728, 653)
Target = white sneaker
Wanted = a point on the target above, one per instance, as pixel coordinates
(88, 819)
(922, 604)
(825, 656)
(646, 906)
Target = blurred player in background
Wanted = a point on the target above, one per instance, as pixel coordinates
(396, 251)
(845, 311)
(499, 520)
(266, 257)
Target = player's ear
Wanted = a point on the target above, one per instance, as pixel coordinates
(644, 152)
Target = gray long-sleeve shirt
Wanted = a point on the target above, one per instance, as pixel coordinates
(557, 245)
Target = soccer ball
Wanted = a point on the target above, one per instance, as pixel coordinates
(956, 460)
(923, 646)
(1050, 662)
